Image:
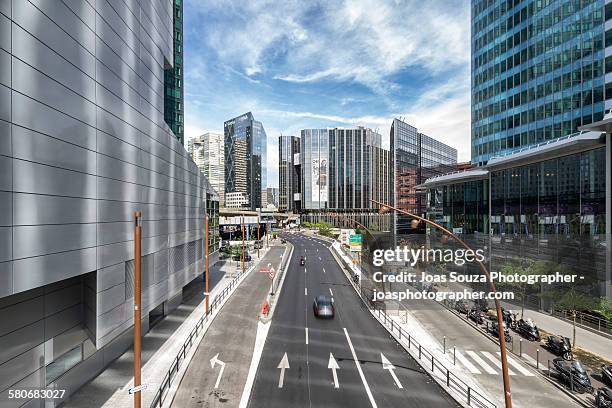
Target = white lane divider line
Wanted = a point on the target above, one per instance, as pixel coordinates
(363, 379)
(467, 363)
(306, 335)
(495, 361)
(330, 292)
(481, 362)
(323, 270)
(517, 366)
(306, 291)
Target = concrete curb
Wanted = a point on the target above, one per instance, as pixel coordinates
(273, 302)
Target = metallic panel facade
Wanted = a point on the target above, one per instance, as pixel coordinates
(84, 144)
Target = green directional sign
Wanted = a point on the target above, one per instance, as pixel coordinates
(355, 242)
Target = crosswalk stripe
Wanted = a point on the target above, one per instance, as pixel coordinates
(530, 360)
(495, 361)
(464, 361)
(518, 366)
(481, 362)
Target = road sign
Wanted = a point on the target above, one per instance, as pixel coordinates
(134, 390)
(355, 242)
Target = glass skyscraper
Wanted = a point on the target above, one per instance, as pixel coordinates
(538, 71)
(245, 158)
(415, 158)
(173, 78)
(288, 173)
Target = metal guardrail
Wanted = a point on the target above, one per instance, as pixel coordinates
(162, 391)
(593, 322)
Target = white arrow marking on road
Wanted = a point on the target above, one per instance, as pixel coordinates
(330, 292)
(213, 361)
(388, 366)
(323, 270)
(333, 365)
(306, 291)
(283, 365)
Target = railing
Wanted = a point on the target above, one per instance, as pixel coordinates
(176, 363)
(593, 322)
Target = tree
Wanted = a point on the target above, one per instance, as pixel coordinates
(574, 301)
(524, 268)
(325, 229)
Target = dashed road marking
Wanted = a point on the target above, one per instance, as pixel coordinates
(495, 361)
(467, 363)
(518, 366)
(481, 362)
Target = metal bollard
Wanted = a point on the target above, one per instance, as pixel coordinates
(548, 368)
(454, 355)
(447, 378)
(537, 359)
(419, 351)
(520, 347)
(444, 347)
(468, 396)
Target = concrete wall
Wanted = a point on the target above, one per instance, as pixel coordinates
(83, 144)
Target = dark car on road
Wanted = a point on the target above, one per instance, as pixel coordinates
(323, 306)
(238, 257)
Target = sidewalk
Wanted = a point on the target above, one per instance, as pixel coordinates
(159, 347)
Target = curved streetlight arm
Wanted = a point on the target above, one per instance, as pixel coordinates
(500, 320)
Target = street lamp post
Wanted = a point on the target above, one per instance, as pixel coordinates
(500, 321)
(137, 303)
(206, 257)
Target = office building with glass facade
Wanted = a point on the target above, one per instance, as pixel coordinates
(173, 78)
(341, 170)
(83, 145)
(209, 155)
(538, 71)
(289, 173)
(245, 158)
(415, 157)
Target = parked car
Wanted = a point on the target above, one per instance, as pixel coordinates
(461, 307)
(528, 329)
(573, 374)
(560, 346)
(238, 257)
(603, 399)
(606, 374)
(323, 306)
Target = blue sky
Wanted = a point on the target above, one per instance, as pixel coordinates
(309, 64)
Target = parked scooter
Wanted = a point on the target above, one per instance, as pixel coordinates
(573, 374)
(603, 399)
(477, 316)
(493, 329)
(606, 374)
(528, 329)
(561, 346)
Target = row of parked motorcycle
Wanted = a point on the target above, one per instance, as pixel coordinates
(570, 371)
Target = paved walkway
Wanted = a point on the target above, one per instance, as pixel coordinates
(159, 348)
(220, 365)
(585, 339)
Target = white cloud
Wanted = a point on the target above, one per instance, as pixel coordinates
(365, 41)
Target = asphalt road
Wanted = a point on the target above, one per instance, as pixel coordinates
(353, 340)
(218, 381)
